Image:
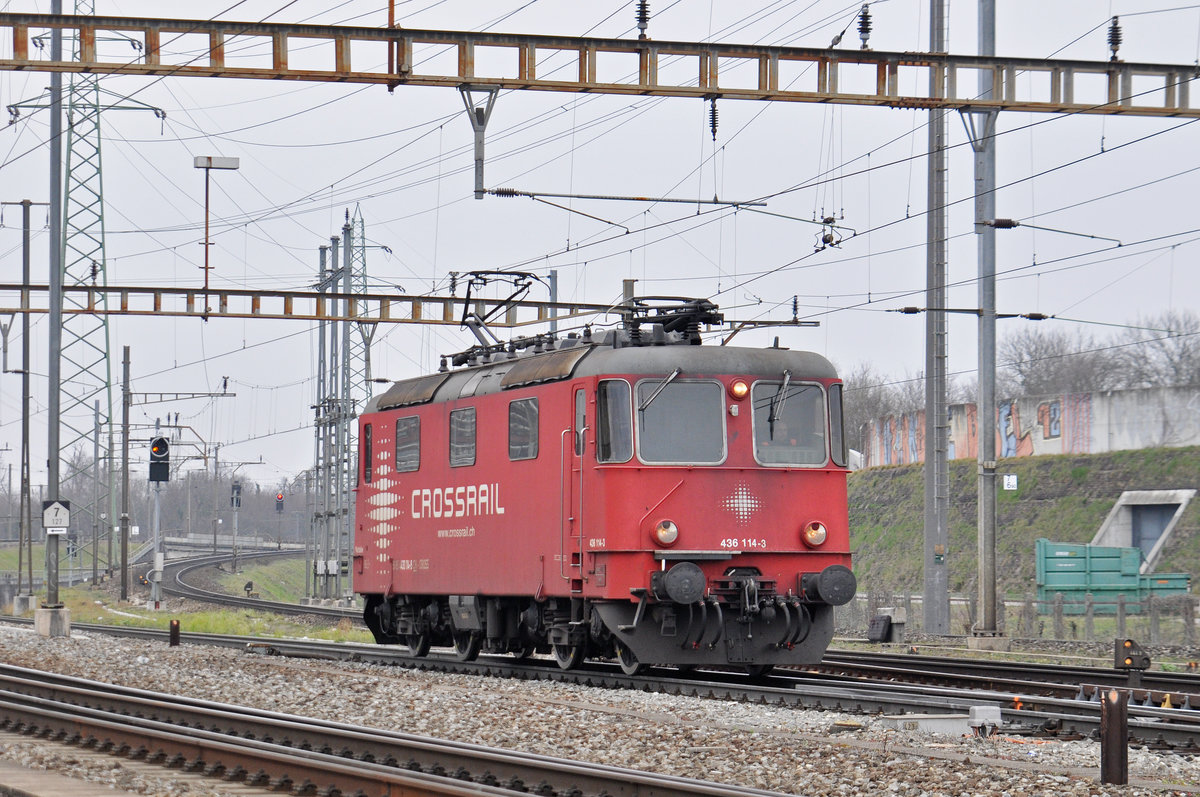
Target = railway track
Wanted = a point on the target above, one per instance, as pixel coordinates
(988, 675)
(175, 583)
(1028, 707)
(300, 754)
(1035, 699)
(991, 674)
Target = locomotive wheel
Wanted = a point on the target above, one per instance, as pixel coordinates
(467, 645)
(568, 656)
(418, 644)
(759, 670)
(524, 652)
(629, 663)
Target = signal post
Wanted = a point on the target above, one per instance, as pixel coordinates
(160, 471)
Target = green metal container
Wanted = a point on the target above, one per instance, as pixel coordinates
(1107, 573)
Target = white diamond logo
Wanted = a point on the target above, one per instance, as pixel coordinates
(742, 503)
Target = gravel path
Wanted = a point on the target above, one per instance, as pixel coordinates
(768, 747)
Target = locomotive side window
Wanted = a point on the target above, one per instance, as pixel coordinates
(837, 432)
(789, 428)
(366, 454)
(681, 422)
(614, 424)
(462, 437)
(523, 429)
(408, 444)
(580, 420)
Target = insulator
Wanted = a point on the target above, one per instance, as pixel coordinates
(1114, 37)
(712, 116)
(864, 24)
(827, 239)
(507, 192)
(643, 18)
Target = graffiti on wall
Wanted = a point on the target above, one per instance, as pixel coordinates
(1071, 423)
(898, 439)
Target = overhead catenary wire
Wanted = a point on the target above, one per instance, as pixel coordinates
(868, 227)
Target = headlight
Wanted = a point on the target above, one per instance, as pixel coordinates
(814, 534)
(738, 389)
(666, 532)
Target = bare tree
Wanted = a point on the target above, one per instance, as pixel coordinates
(868, 395)
(1163, 352)
(1038, 363)
(908, 394)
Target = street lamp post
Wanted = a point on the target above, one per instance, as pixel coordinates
(208, 163)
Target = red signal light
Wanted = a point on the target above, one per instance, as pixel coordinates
(278, 496)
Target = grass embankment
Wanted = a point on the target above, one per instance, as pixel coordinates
(94, 605)
(278, 581)
(273, 581)
(9, 554)
(1062, 498)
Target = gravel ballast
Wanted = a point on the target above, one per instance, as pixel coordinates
(768, 747)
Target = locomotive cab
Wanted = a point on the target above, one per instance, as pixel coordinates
(741, 478)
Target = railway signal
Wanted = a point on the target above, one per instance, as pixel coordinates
(160, 460)
(279, 502)
(1128, 655)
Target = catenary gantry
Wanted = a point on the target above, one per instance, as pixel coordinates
(366, 308)
(400, 56)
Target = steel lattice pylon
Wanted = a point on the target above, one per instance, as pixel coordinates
(86, 375)
(343, 388)
(86, 368)
(360, 337)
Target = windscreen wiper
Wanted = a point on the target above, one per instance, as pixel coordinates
(777, 403)
(659, 389)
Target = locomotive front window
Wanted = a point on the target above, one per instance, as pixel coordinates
(681, 422)
(614, 423)
(789, 429)
(408, 444)
(523, 429)
(462, 437)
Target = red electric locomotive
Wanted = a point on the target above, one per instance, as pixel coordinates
(625, 495)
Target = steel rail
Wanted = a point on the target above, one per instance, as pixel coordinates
(980, 670)
(638, 67)
(216, 754)
(384, 757)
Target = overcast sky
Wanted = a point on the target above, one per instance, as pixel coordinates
(310, 152)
